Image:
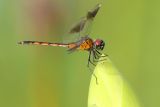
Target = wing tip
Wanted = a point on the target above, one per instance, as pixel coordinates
(99, 5)
(92, 13)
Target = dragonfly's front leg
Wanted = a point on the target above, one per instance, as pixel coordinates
(97, 55)
(100, 54)
(89, 59)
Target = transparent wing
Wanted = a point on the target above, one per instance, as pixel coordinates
(83, 27)
(84, 24)
(78, 27)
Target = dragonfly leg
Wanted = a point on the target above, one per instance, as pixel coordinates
(105, 55)
(96, 60)
(95, 57)
(80, 28)
(99, 55)
(91, 70)
(89, 59)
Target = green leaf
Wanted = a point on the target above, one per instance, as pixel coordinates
(112, 90)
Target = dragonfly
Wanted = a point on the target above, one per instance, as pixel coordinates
(85, 43)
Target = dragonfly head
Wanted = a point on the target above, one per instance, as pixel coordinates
(99, 44)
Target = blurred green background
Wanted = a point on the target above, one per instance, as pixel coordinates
(38, 76)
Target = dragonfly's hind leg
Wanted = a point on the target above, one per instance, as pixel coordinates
(91, 70)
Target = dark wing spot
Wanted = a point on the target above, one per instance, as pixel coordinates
(92, 13)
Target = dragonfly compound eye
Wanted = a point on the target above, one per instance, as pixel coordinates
(99, 44)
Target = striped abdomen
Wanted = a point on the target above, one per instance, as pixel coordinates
(47, 44)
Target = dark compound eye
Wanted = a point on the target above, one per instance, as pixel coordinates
(102, 45)
(99, 44)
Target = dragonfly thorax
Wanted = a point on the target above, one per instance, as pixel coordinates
(87, 44)
(99, 44)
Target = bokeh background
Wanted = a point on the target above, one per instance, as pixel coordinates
(39, 76)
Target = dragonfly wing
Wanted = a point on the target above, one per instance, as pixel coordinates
(86, 29)
(85, 23)
(78, 27)
(93, 12)
(73, 49)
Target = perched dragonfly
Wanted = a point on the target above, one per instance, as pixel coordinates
(85, 43)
